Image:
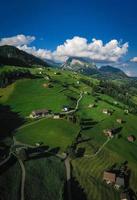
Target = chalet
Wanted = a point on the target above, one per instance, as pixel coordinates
(109, 177)
(120, 121)
(40, 113)
(115, 103)
(46, 85)
(124, 196)
(109, 132)
(131, 138)
(106, 111)
(56, 116)
(120, 182)
(65, 108)
(126, 111)
(91, 105)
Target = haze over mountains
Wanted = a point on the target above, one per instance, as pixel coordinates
(10, 55)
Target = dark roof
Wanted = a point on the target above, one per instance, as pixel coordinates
(109, 176)
(42, 111)
(120, 181)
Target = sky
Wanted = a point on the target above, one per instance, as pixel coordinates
(103, 30)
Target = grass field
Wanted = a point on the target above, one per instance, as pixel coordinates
(55, 133)
(89, 171)
(39, 182)
(26, 95)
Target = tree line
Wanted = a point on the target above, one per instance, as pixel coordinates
(119, 92)
(10, 75)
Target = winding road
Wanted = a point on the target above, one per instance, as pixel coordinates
(23, 178)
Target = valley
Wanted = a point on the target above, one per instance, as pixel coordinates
(79, 135)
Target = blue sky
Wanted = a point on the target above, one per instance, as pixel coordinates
(52, 22)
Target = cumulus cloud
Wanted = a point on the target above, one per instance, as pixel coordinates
(17, 40)
(41, 53)
(95, 50)
(134, 59)
(77, 46)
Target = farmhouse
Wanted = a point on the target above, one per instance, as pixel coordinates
(56, 116)
(109, 177)
(65, 108)
(46, 85)
(120, 182)
(120, 121)
(115, 102)
(40, 113)
(126, 111)
(109, 132)
(106, 111)
(91, 105)
(131, 138)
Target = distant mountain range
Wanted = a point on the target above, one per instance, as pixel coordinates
(85, 66)
(10, 55)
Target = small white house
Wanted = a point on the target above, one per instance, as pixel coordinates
(56, 116)
(65, 109)
(106, 111)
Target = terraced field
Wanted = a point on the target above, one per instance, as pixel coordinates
(39, 182)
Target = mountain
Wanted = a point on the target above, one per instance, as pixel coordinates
(112, 72)
(80, 65)
(10, 55)
(86, 66)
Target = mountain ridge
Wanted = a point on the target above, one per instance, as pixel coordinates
(10, 55)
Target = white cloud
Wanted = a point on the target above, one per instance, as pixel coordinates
(134, 59)
(77, 46)
(41, 53)
(17, 40)
(95, 50)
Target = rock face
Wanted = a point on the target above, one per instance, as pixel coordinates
(86, 66)
(10, 55)
(80, 65)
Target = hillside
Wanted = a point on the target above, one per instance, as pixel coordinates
(78, 133)
(86, 66)
(10, 55)
(112, 72)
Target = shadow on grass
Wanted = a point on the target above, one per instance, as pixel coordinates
(9, 121)
(39, 152)
(77, 193)
(8, 164)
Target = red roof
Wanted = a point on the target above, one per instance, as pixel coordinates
(109, 176)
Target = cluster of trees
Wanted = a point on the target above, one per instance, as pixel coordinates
(87, 82)
(10, 75)
(119, 92)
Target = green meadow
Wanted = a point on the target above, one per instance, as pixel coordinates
(55, 133)
(26, 95)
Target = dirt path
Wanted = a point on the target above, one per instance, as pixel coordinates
(68, 175)
(23, 178)
(99, 150)
(77, 105)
